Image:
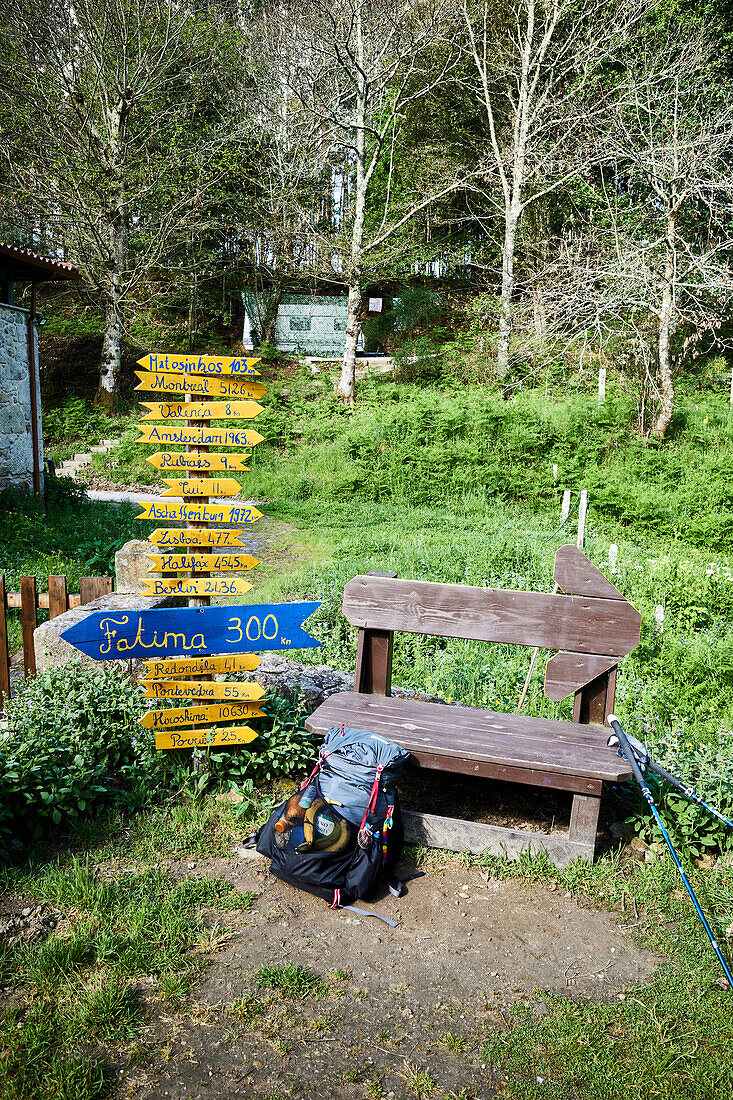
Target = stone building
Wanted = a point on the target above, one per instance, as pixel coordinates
(21, 434)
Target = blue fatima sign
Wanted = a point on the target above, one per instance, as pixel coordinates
(166, 632)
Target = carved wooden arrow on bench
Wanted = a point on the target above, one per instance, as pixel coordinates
(592, 624)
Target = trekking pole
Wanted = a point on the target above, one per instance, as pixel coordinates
(687, 790)
(645, 761)
(638, 776)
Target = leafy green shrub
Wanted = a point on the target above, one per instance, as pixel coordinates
(70, 731)
(76, 418)
(74, 744)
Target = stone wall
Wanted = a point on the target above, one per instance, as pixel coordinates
(16, 439)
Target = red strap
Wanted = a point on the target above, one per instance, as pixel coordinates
(373, 796)
(335, 904)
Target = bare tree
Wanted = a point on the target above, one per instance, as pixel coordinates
(106, 93)
(354, 67)
(652, 269)
(532, 69)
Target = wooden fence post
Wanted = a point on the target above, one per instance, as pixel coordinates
(4, 655)
(90, 588)
(58, 598)
(29, 621)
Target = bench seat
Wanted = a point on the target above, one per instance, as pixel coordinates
(540, 752)
(553, 754)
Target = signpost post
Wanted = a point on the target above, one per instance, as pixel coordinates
(186, 647)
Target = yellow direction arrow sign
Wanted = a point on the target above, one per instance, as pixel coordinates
(215, 410)
(198, 586)
(199, 513)
(190, 716)
(216, 437)
(188, 689)
(198, 364)
(207, 463)
(190, 666)
(201, 563)
(190, 739)
(201, 487)
(167, 537)
(199, 386)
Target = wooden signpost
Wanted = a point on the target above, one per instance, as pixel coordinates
(203, 689)
(201, 563)
(206, 738)
(198, 364)
(201, 487)
(196, 586)
(189, 716)
(189, 666)
(198, 386)
(217, 437)
(192, 631)
(200, 512)
(213, 410)
(201, 463)
(167, 537)
(186, 647)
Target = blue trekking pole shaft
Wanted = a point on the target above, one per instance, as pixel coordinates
(632, 761)
(687, 790)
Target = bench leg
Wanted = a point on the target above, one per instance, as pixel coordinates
(584, 821)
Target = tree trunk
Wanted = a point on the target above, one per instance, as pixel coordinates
(118, 241)
(109, 368)
(507, 291)
(347, 379)
(346, 385)
(272, 306)
(666, 334)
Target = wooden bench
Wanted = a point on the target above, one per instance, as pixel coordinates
(592, 625)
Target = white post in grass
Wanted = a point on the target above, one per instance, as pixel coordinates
(613, 557)
(601, 385)
(565, 505)
(582, 512)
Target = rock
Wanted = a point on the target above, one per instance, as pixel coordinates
(638, 848)
(540, 1009)
(312, 684)
(131, 565)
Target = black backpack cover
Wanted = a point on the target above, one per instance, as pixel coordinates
(355, 783)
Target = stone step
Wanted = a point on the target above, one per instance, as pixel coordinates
(83, 460)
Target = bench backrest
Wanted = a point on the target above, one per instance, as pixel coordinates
(592, 625)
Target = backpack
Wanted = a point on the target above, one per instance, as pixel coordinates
(350, 837)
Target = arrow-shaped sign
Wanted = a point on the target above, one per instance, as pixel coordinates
(203, 689)
(209, 437)
(201, 563)
(190, 739)
(177, 460)
(196, 631)
(199, 513)
(215, 410)
(196, 586)
(160, 382)
(198, 666)
(201, 487)
(176, 717)
(198, 364)
(567, 672)
(168, 537)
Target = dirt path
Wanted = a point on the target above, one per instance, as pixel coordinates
(400, 1012)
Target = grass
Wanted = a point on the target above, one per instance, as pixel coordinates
(67, 535)
(82, 985)
(290, 981)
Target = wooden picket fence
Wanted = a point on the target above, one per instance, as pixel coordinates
(57, 600)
